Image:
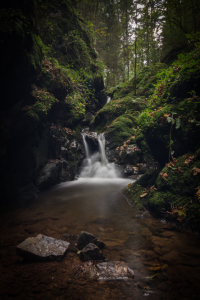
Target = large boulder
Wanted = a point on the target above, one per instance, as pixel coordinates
(42, 248)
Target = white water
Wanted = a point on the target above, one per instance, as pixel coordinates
(96, 165)
(87, 152)
(108, 99)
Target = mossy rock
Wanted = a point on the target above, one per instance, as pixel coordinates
(120, 130)
(172, 193)
(128, 107)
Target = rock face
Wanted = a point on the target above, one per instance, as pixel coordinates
(42, 248)
(38, 124)
(91, 252)
(86, 238)
(50, 174)
(110, 271)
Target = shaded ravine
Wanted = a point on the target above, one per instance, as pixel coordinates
(163, 259)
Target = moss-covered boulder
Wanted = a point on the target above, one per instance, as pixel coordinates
(173, 192)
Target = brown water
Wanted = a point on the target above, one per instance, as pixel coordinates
(166, 261)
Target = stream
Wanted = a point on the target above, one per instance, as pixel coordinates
(166, 261)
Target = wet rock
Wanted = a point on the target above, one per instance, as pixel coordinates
(43, 248)
(149, 255)
(113, 242)
(128, 171)
(131, 154)
(50, 174)
(173, 257)
(161, 245)
(106, 271)
(162, 225)
(91, 252)
(169, 234)
(146, 233)
(111, 155)
(74, 144)
(86, 238)
(142, 214)
(145, 288)
(72, 239)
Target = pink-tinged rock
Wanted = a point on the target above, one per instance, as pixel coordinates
(43, 248)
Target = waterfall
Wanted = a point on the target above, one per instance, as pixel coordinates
(101, 141)
(96, 165)
(87, 152)
(108, 99)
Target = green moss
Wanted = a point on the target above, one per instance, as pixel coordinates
(170, 80)
(120, 130)
(133, 193)
(128, 106)
(176, 189)
(43, 102)
(145, 81)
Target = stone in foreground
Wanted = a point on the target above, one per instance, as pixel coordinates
(91, 252)
(85, 238)
(114, 270)
(43, 248)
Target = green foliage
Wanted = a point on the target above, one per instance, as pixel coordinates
(181, 70)
(120, 130)
(116, 108)
(173, 191)
(14, 21)
(43, 103)
(77, 105)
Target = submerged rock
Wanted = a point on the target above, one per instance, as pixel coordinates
(91, 252)
(115, 270)
(86, 238)
(43, 248)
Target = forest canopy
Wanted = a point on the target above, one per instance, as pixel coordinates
(129, 35)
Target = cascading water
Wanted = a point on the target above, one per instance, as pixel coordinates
(87, 151)
(101, 141)
(108, 99)
(96, 165)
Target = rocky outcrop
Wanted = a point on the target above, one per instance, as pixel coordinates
(42, 106)
(51, 174)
